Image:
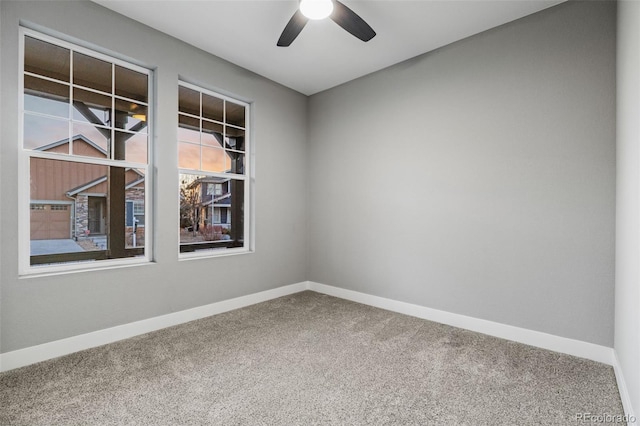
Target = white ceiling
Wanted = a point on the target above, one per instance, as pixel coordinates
(324, 55)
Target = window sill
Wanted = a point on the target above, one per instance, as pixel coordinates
(84, 267)
(213, 253)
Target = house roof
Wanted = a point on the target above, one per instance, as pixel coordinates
(74, 138)
(84, 187)
(222, 201)
(207, 179)
(91, 184)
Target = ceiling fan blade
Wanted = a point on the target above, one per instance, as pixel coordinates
(351, 22)
(293, 28)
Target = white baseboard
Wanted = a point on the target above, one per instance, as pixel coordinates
(45, 351)
(534, 338)
(624, 392)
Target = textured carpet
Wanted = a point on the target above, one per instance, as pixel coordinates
(309, 359)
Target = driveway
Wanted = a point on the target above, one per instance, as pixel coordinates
(54, 246)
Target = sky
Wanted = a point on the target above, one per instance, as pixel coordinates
(41, 130)
(46, 121)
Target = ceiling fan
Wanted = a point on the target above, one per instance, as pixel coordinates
(321, 9)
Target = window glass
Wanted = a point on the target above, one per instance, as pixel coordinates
(40, 132)
(212, 107)
(131, 84)
(46, 97)
(236, 162)
(188, 129)
(65, 232)
(46, 59)
(234, 114)
(212, 159)
(135, 145)
(212, 134)
(91, 107)
(91, 72)
(91, 141)
(234, 138)
(188, 156)
(201, 214)
(188, 101)
(130, 115)
(92, 208)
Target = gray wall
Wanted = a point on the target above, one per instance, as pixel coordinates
(478, 179)
(39, 310)
(627, 329)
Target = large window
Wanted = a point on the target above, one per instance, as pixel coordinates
(85, 144)
(213, 152)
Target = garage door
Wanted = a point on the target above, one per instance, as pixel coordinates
(50, 221)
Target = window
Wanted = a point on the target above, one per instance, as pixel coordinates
(138, 208)
(214, 189)
(216, 215)
(85, 138)
(213, 153)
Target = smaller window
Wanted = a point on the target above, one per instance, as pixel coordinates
(37, 206)
(138, 208)
(58, 207)
(217, 189)
(213, 150)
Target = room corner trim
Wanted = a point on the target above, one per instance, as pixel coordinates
(538, 339)
(622, 389)
(45, 351)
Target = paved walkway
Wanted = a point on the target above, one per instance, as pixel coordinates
(54, 246)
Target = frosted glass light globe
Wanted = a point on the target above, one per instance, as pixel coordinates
(316, 9)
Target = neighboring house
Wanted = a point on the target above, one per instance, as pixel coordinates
(74, 203)
(207, 201)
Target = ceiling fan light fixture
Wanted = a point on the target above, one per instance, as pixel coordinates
(316, 9)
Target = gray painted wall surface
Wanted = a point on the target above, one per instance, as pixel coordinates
(627, 324)
(478, 179)
(39, 310)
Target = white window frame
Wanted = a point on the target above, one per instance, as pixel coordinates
(24, 191)
(247, 178)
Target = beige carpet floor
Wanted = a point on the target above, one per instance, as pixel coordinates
(309, 359)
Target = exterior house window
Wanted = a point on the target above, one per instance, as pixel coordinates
(213, 155)
(214, 189)
(85, 141)
(216, 215)
(138, 210)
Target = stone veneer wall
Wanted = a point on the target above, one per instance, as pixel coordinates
(81, 217)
